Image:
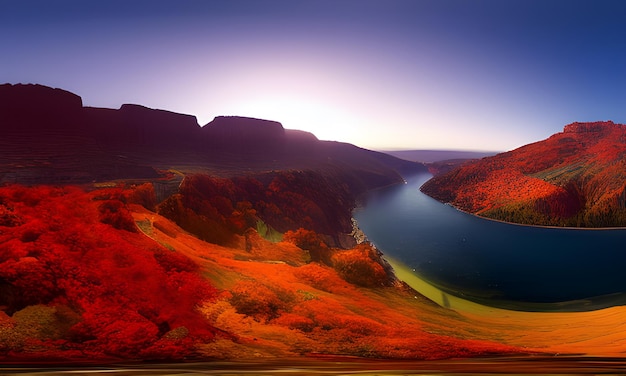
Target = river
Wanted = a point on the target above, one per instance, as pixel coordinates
(495, 263)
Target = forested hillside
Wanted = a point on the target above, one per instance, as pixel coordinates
(574, 178)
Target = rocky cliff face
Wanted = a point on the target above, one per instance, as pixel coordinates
(37, 106)
(598, 126)
(238, 128)
(573, 178)
(134, 126)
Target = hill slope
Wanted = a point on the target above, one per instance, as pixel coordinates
(573, 178)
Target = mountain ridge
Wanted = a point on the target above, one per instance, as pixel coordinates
(101, 144)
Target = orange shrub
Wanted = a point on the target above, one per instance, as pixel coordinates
(310, 241)
(255, 299)
(318, 276)
(361, 267)
(293, 321)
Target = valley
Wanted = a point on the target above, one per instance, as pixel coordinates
(135, 234)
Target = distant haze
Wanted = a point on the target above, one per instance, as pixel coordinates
(429, 156)
(397, 74)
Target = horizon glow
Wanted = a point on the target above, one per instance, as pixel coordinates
(449, 74)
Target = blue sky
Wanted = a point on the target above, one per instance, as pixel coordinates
(476, 75)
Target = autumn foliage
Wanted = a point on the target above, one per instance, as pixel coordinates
(574, 178)
(216, 209)
(75, 274)
(95, 275)
(361, 266)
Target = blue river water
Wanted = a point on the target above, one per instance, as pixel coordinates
(480, 259)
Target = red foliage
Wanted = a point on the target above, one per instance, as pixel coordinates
(573, 178)
(81, 251)
(210, 207)
(143, 195)
(361, 266)
(114, 213)
(310, 241)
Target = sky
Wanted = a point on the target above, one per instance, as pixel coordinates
(387, 74)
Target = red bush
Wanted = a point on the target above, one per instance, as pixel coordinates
(114, 213)
(360, 266)
(125, 291)
(309, 240)
(143, 195)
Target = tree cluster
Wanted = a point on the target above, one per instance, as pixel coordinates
(77, 278)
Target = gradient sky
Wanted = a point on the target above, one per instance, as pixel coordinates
(441, 74)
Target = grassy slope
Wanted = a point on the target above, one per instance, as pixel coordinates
(321, 313)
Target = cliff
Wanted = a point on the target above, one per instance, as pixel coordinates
(49, 137)
(37, 106)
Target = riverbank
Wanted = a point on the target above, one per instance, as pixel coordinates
(517, 223)
(490, 262)
(598, 332)
(535, 226)
(449, 300)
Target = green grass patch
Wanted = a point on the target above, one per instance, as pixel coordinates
(267, 232)
(145, 226)
(563, 174)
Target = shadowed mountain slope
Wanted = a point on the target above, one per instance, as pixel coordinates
(573, 178)
(49, 137)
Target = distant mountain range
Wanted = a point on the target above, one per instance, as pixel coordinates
(48, 136)
(574, 178)
(431, 156)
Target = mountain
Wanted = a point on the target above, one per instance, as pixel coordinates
(439, 161)
(50, 137)
(431, 156)
(574, 178)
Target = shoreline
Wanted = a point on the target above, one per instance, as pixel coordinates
(455, 302)
(447, 299)
(524, 224)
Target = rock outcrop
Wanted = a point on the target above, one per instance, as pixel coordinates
(598, 126)
(36, 106)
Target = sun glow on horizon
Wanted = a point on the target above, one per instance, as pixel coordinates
(325, 121)
(380, 75)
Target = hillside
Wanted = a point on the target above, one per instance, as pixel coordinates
(573, 178)
(104, 276)
(97, 276)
